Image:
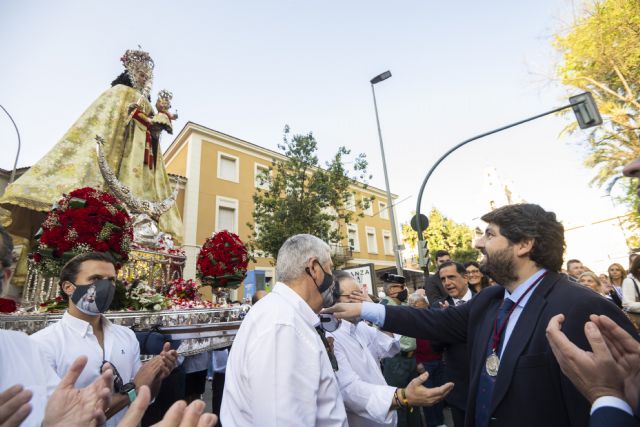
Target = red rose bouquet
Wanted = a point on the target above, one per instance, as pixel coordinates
(222, 261)
(85, 220)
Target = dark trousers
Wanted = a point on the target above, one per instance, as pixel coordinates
(458, 416)
(433, 414)
(217, 387)
(171, 390)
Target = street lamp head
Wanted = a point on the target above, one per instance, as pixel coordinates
(381, 77)
(586, 110)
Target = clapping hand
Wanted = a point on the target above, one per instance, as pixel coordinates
(69, 406)
(625, 350)
(179, 415)
(594, 373)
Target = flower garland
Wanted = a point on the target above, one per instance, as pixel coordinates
(83, 221)
(222, 261)
(184, 294)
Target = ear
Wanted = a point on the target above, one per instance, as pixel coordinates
(67, 288)
(524, 247)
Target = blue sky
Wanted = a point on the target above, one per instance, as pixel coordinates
(247, 68)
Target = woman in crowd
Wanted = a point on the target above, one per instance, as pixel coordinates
(477, 280)
(591, 280)
(631, 288)
(616, 276)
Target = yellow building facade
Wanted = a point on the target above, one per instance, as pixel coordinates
(221, 178)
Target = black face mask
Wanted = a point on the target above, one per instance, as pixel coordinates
(325, 288)
(402, 295)
(94, 298)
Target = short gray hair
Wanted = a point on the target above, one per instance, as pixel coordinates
(414, 298)
(296, 251)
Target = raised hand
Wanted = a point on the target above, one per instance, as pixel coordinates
(69, 406)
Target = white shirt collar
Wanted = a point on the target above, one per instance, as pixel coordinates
(299, 305)
(522, 288)
(465, 298)
(80, 326)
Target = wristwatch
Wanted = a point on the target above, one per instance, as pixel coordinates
(130, 390)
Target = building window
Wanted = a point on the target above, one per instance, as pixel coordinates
(372, 243)
(260, 173)
(228, 167)
(387, 242)
(226, 214)
(384, 212)
(352, 236)
(351, 202)
(367, 206)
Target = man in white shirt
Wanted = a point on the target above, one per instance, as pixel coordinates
(89, 282)
(278, 371)
(31, 394)
(358, 348)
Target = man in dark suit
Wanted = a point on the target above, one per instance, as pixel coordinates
(433, 288)
(515, 379)
(456, 359)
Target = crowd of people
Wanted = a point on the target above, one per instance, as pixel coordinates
(510, 341)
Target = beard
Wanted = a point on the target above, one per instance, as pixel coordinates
(500, 266)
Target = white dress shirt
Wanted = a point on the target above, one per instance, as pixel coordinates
(278, 372)
(66, 340)
(21, 362)
(465, 298)
(367, 397)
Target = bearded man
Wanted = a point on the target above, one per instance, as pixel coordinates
(514, 376)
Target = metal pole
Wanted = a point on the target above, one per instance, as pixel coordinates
(394, 235)
(445, 155)
(15, 164)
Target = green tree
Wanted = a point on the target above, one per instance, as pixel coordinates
(601, 54)
(444, 233)
(301, 196)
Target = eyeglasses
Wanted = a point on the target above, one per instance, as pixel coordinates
(117, 379)
(329, 322)
(473, 271)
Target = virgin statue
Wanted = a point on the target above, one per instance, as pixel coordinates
(122, 117)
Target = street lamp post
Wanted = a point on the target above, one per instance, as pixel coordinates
(587, 115)
(15, 163)
(394, 234)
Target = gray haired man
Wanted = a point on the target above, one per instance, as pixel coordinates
(278, 372)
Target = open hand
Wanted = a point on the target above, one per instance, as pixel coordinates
(69, 406)
(419, 395)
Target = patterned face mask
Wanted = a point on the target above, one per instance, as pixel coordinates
(94, 298)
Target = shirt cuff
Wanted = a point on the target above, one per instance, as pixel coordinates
(374, 313)
(610, 401)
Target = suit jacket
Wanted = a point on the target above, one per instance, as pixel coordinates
(434, 290)
(530, 389)
(608, 416)
(456, 368)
